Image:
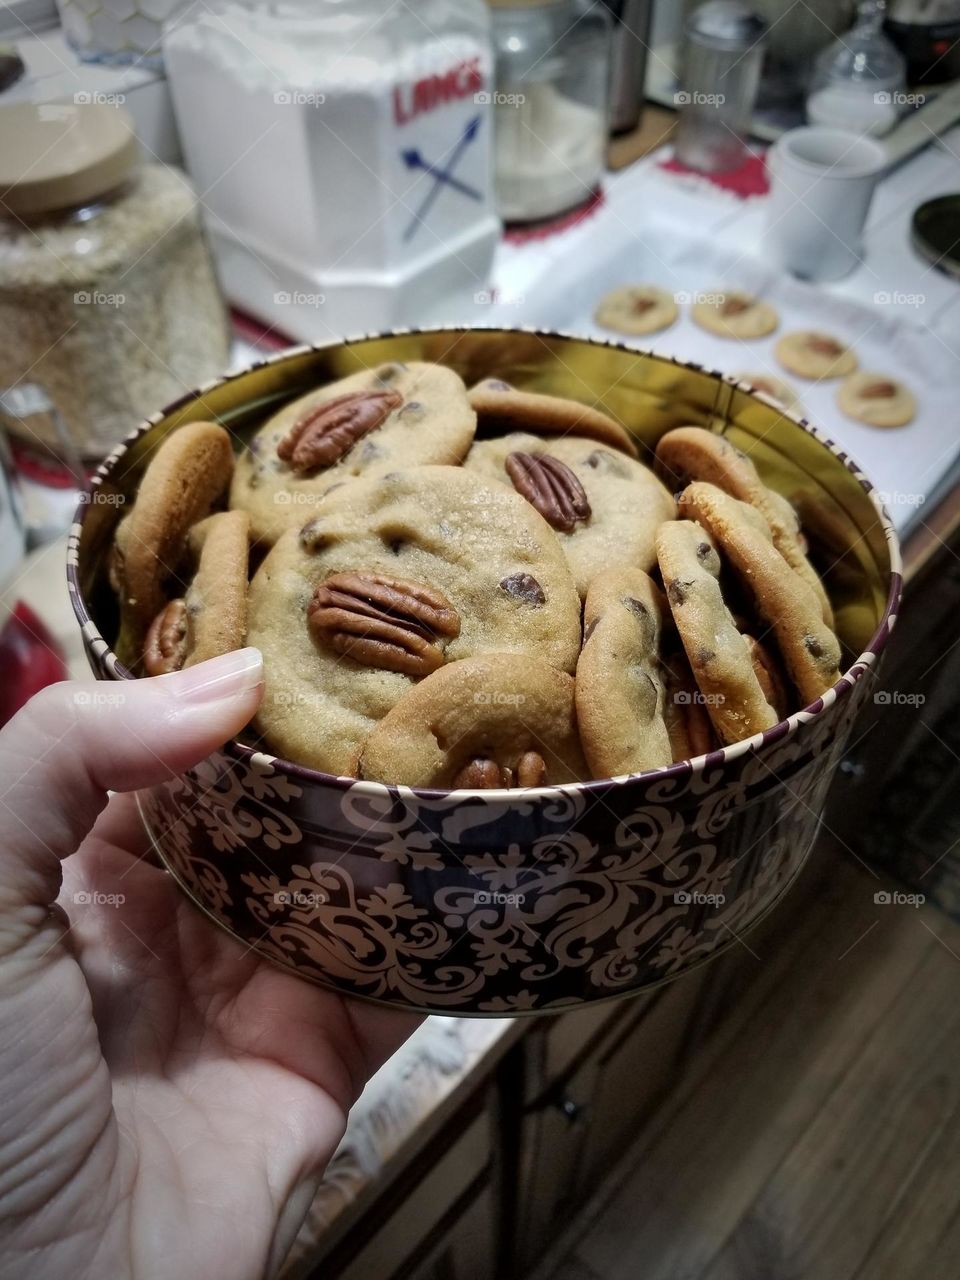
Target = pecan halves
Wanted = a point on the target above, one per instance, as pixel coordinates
(549, 485)
(165, 648)
(324, 433)
(734, 306)
(483, 774)
(824, 346)
(383, 622)
(879, 390)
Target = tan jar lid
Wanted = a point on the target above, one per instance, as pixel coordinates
(57, 155)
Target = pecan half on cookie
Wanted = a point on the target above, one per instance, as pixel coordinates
(549, 485)
(383, 622)
(324, 433)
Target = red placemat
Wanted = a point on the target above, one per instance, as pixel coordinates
(524, 232)
(750, 179)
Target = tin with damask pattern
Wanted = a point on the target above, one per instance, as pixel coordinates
(507, 902)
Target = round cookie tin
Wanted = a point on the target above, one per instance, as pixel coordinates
(507, 902)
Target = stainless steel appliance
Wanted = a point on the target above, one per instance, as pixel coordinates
(628, 61)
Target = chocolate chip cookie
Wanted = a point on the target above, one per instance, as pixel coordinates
(395, 576)
(496, 720)
(692, 453)
(186, 477)
(619, 687)
(211, 617)
(604, 506)
(396, 415)
(719, 656)
(782, 599)
(876, 400)
(501, 408)
(732, 313)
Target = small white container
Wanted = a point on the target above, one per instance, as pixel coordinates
(822, 185)
(344, 156)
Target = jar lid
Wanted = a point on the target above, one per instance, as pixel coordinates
(726, 24)
(57, 155)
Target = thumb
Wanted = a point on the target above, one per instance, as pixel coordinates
(76, 740)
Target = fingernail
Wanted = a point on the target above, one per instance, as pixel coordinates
(228, 676)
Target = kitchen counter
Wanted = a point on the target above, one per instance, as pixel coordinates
(410, 1096)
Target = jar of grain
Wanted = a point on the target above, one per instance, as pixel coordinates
(108, 298)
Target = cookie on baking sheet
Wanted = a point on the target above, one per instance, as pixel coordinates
(372, 422)
(620, 693)
(693, 453)
(186, 477)
(393, 577)
(732, 313)
(604, 506)
(501, 408)
(496, 720)
(211, 617)
(637, 309)
(787, 604)
(876, 400)
(776, 388)
(815, 355)
(718, 654)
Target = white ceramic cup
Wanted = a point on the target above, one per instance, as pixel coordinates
(822, 181)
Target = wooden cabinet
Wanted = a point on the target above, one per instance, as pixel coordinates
(587, 1116)
(437, 1220)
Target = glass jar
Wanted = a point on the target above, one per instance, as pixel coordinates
(722, 57)
(858, 82)
(108, 298)
(550, 104)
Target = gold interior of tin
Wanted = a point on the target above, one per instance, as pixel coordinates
(649, 394)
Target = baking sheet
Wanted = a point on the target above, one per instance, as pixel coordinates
(906, 463)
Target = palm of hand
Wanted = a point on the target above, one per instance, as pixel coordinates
(193, 1094)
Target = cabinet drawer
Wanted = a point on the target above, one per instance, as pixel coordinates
(415, 1218)
(464, 1250)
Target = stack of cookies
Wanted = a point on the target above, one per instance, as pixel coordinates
(475, 589)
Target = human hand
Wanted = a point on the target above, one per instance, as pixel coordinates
(168, 1100)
